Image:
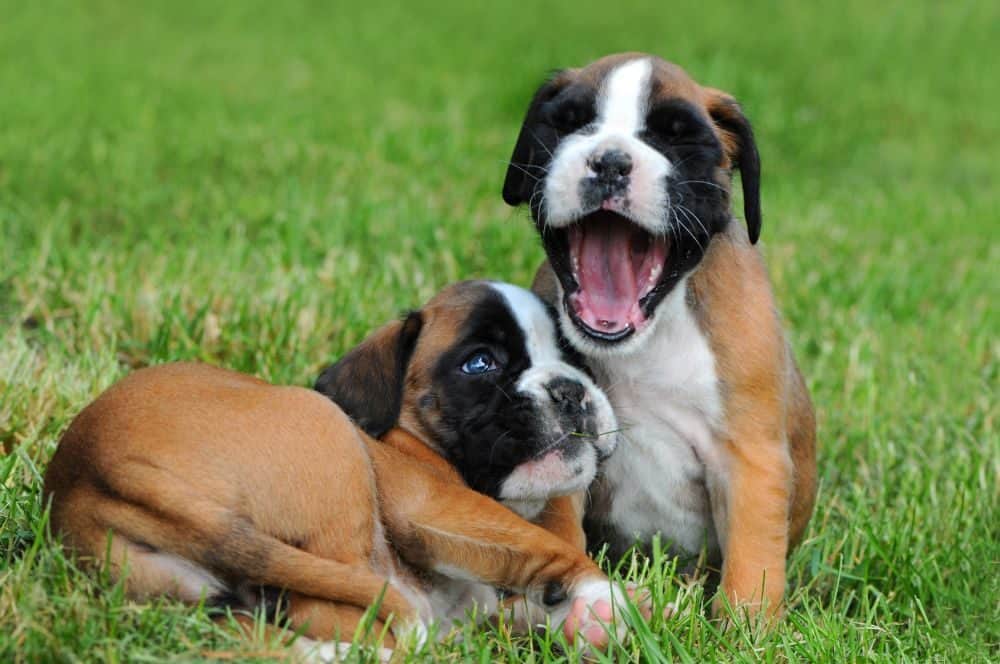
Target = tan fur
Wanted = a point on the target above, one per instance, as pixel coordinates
(770, 442)
(564, 515)
(442, 316)
(770, 427)
(178, 459)
(426, 511)
(271, 485)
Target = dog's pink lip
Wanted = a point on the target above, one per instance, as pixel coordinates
(549, 464)
(616, 265)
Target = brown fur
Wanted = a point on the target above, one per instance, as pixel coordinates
(770, 444)
(260, 484)
(772, 430)
(442, 316)
(769, 420)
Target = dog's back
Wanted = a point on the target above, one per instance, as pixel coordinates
(214, 483)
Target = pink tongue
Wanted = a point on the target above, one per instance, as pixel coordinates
(606, 273)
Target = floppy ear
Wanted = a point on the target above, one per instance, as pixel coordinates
(737, 137)
(367, 382)
(529, 151)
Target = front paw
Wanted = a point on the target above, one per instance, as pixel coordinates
(593, 614)
(731, 604)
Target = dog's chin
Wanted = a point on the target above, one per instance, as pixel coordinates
(554, 473)
(614, 273)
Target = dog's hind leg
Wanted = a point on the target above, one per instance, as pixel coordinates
(267, 640)
(325, 621)
(175, 542)
(146, 571)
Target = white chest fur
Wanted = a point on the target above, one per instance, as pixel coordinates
(665, 393)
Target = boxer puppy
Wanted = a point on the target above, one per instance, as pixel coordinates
(626, 166)
(214, 484)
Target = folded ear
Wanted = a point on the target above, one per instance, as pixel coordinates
(367, 382)
(530, 151)
(737, 136)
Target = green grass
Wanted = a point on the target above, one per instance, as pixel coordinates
(258, 186)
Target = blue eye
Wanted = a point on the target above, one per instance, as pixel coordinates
(479, 363)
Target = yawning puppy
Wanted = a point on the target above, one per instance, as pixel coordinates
(626, 166)
(214, 484)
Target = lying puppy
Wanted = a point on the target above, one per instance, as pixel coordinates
(626, 165)
(215, 484)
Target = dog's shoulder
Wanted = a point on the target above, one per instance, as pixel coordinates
(731, 295)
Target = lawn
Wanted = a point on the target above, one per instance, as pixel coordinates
(258, 185)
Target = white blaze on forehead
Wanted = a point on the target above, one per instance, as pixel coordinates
(547, 363)
(534, 321)
(623, 98)
(621, 107)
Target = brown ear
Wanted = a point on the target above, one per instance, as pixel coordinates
(738, 140)
(367, 382)
(530, 152)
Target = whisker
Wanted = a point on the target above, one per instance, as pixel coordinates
(540, 194)
(681, 208)
(539, 141)
(496, 444)
(684, 161)
(503, 392)
(672, 228)
(710, 184)
(539, 167)
(526, 172)
(696, 218)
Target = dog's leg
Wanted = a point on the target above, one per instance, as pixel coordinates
(751, 494)
(148, 572)
(272, 642)
(451, 526)
(755, 535)
(443, 525)
(563, 517)
(331, 631)
(165, 520)
(325, 620)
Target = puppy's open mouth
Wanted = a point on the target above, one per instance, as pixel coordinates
(612, 271)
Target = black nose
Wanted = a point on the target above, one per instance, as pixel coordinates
(611, 164)
(567, 395)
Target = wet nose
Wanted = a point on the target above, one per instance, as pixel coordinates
(613, 163)
(567, 395)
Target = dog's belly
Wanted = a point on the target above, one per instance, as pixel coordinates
(666, 397)
(655, 483)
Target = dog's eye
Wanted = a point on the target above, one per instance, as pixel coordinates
(478, 363)
(668, 124)
(570, 116)
(676, 126)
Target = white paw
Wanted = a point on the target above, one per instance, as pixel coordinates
(410, 634)
(593, 614)
(329, 652)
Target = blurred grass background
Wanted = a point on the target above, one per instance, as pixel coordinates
(259, 184)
